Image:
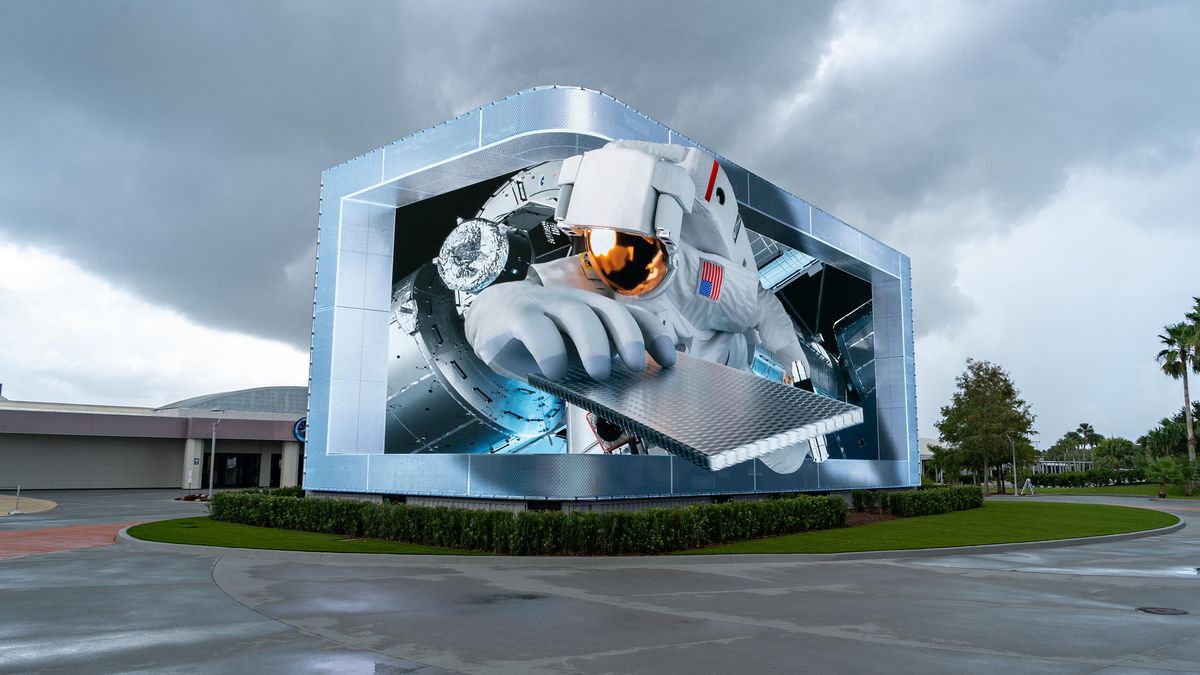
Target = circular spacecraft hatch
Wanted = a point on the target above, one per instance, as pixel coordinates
(441, 397)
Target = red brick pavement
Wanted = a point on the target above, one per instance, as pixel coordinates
(17, 543)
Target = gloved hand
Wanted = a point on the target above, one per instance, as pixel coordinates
(517, 328)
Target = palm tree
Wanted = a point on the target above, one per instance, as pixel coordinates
(1075, 443)
(1090, 439)
(1193, 316)
(1162, 470)
(1177, 359)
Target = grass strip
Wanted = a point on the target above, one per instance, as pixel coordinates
(998, 522)
(1137, 490)
(207, 532)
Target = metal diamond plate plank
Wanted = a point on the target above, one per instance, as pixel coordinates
(711, 415)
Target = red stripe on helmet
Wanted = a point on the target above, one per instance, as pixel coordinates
(712, 180)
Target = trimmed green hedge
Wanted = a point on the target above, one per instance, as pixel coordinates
(922, 502)
(1089, 478)
(937, 500)
(537, 532)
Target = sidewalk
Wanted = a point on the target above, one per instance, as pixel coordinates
(18, 543)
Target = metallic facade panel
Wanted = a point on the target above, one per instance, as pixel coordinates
(377, 282)
(588, 477)
(325, 284)
(353, 232)
(880, 255)
(503, 137)
(566, 109)
(372, 419)
(431, 146)
(550, 477)
(835, 233)
(889, 331)
(806, 478)
(341, 431)
(351, 279)
(781, 206)
(533, 149)
(348, 177)
(444, 474)
(381, 230)
(347, 352)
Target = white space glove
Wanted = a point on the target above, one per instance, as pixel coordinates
(518, 328)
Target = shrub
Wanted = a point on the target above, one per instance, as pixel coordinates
(293, 491)
(936, 500)
(865, 500)
(1096, 477)
(536, 532)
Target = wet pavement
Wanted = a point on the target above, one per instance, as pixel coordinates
(121, 608)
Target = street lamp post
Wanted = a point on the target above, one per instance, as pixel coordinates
(212, 463)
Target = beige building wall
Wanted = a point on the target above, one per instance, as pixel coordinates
(48, 462)
(41, 462)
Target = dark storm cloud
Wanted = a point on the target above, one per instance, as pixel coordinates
(175, 148)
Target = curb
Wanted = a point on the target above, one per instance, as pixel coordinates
(622, 561)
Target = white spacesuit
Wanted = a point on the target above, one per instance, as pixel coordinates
(668, 267)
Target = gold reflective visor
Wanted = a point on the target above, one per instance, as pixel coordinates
(630, 264)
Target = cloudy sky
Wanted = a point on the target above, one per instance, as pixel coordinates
(1040, 163)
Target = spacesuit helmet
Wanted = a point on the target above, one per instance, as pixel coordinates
(627, 201)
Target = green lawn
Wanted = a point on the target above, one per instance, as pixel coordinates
(998, 522)
(1139, 490)
(208, 532)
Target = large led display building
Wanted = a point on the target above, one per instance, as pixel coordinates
(414, 233)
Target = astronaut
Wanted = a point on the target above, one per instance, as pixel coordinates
(667, 268)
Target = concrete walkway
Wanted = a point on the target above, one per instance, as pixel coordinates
(17, 543)
(1070, 610)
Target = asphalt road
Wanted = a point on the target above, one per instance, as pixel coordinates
(122, 609)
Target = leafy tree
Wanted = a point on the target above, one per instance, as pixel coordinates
(985, 412)
(950, 461)
(1118, 453)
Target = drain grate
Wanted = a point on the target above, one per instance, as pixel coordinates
(1165, 611)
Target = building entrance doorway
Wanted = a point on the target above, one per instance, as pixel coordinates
(234, 470)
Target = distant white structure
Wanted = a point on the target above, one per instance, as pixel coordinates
(1061, 467)
(926, 454)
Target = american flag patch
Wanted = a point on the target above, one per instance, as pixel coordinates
(710, 280)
